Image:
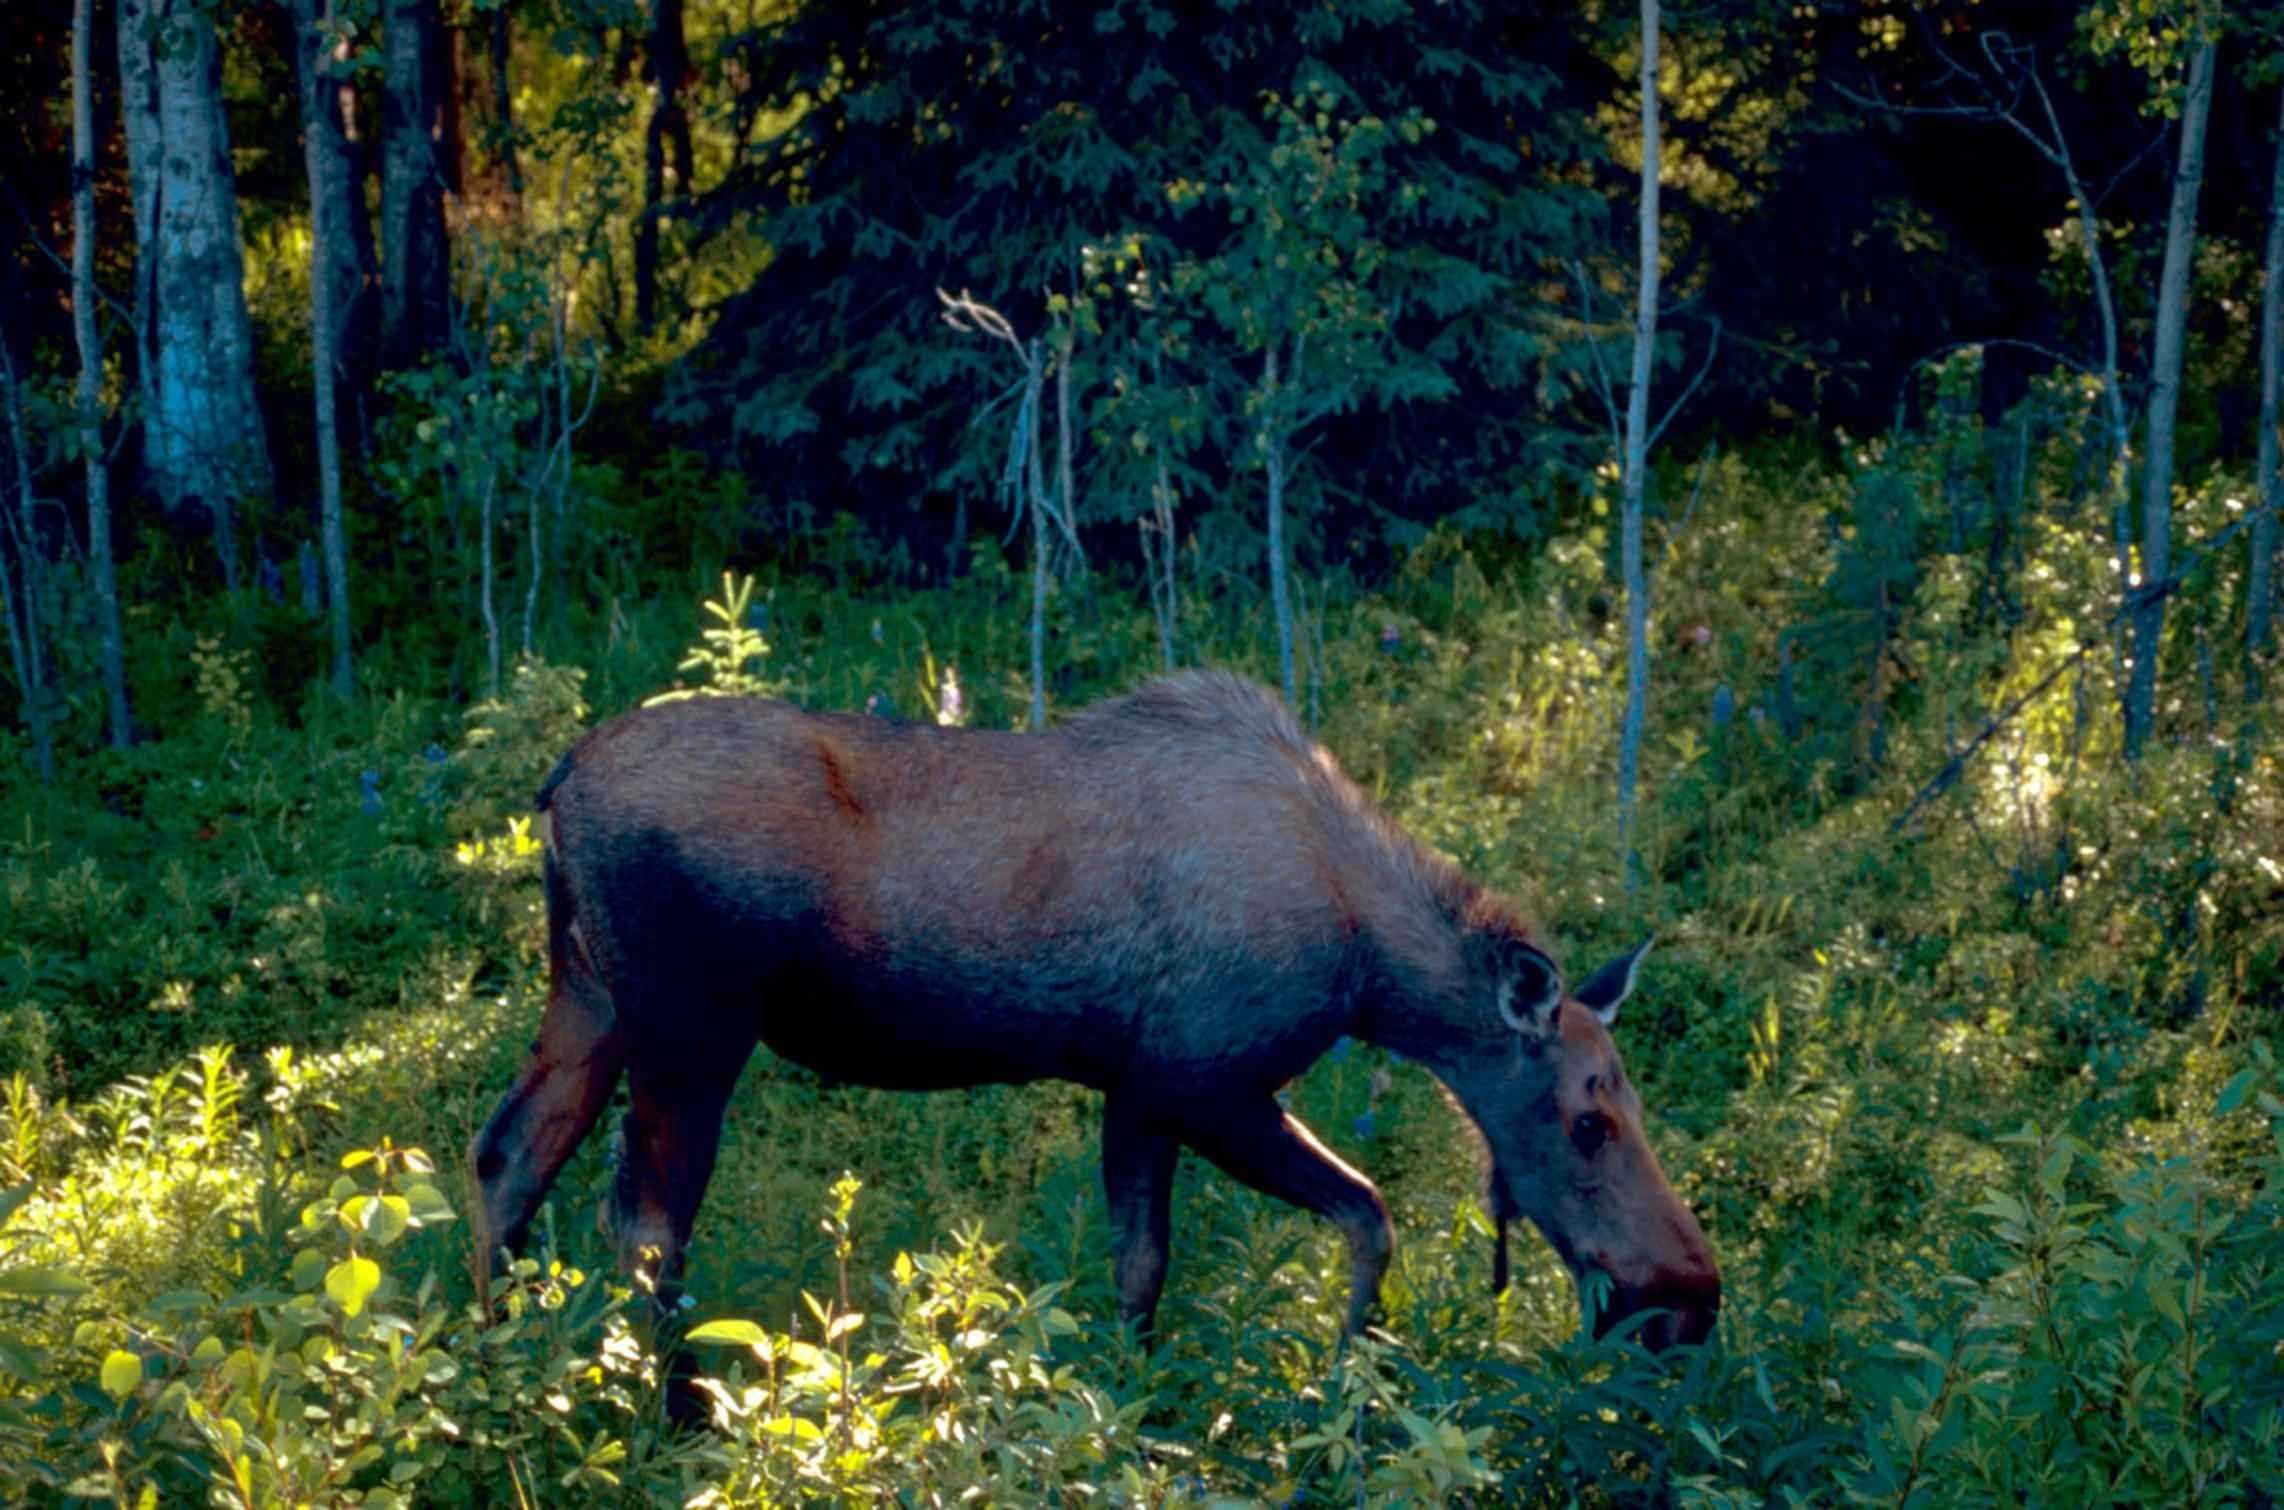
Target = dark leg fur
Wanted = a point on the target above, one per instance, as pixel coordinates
(1272, 1152)
(542, 1118)
(1138, 1177)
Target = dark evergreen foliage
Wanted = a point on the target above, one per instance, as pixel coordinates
(976, 147)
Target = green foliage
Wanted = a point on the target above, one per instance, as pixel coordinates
(1359, 184)
(513, 740)
(221, 1277)
(963, 1380)
(727, 648)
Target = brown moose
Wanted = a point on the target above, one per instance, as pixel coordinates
(1175, 897)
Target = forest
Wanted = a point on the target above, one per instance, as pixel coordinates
(1797, 479)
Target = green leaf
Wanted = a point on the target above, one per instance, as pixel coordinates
(427, 1204)
(308, 1268)
(734, 1331)
(18, 1359)
(2232, 1094)
(122, 1372)
(41, 1279)
(352, 1282)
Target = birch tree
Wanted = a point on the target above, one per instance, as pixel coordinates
(2260, 607)
(110, 643)
(21, 596)
(2165, 390)
(203, 440)
(1637, 452)
(341, 224)
(330, 199)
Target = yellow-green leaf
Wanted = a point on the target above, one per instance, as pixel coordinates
(733, 1331)
(122, 1372)
(352, 1282)
(40, 1279)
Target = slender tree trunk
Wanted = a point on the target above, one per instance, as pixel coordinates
(668, 66)
(1637, 455)
(203, 440)
(111, 645)
(2165, 399)
(416, 312)
(21, 598)
(502, 47)
(1161, 568)
(327, 163)
(1273, 458)
(485, 493)
(2260, 609)
(1035, 479)
(341, 242)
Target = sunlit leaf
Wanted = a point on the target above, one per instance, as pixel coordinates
(352, 1282)
(122, 1374)
(732, 1330)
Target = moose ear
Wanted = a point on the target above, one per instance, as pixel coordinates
(1613, 983)
(1530, 988)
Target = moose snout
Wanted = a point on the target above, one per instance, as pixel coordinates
(1686, 1307)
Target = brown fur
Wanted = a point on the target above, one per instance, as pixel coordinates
(1175, 897)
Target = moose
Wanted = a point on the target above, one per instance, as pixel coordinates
(1175, 897)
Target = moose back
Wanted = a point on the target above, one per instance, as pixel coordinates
(1175, 897)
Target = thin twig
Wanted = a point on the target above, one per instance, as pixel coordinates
(1712, 348)
(1594, 349)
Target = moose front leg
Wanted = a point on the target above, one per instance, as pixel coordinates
(1138, 1177)
(1262, 1145)
(564, 1084)
(672, 1131)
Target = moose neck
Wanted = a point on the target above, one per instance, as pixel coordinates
(1431, 994)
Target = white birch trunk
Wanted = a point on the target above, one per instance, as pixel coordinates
(1035, 481)
(2165, 399)
(203, 440)
(2260, 608)
(329, 234)
(111, 646)
(1273, 457)
(1637, 456)
(20, 566)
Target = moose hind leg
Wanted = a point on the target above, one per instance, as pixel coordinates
(1261, 1145)
(573, 1065)
(1138, 1177)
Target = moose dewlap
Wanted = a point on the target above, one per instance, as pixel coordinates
(1174, 897)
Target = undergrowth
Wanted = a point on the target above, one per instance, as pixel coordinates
(1981, 1113)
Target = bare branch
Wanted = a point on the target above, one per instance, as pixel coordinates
(1594, 349)
(1712, 347)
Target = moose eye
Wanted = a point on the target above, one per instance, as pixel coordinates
(1589, 1131)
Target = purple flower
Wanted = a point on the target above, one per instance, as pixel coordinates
(1363, 1126)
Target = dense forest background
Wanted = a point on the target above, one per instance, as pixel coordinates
(1797, 478)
